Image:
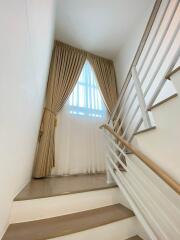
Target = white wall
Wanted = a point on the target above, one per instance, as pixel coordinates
(154, 61)
(98, 26)
(25, 51)
(127, 51)
(162, 145)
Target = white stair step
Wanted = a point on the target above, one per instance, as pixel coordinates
(110, 222)
(59, 196)
(35, 209)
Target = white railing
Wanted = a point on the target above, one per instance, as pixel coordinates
(141, 183)
(151, 192)
(159, 56)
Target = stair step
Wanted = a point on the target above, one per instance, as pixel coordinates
(163, 101)
(145, 130)
(134, 238)
(67, 224)
(63, 185)
(33, 209)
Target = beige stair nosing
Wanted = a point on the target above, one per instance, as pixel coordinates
(35, 189)
(134, 238)
(169, 75)
(129, 153)
(67, 224)
(163, 101)
(16, 199)
(145, 130)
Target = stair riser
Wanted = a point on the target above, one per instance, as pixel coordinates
(119, 230)
(29, 210)
(165, 203)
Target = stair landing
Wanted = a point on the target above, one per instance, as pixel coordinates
(55, 186)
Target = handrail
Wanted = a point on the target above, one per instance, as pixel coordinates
(153, 166)
(168, 76)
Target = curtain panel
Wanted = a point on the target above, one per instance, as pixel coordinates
(65, 68)
(66, 65)
(105, 73)
(80, 144)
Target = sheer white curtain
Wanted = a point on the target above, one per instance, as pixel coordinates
(80, 146)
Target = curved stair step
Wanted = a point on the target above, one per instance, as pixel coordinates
(67, 224)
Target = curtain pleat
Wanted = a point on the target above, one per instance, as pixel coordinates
(105, 73)
(66, 65)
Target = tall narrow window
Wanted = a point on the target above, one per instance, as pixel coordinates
(86, 98)
(80, 146)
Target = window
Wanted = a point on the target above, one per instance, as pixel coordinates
(86, 98)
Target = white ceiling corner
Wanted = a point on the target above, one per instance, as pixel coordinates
(99, 26)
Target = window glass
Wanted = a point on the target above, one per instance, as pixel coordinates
(86, 98)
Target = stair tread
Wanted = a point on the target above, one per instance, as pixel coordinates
(134, 238)
(61, 185)
(67, 224)
(145, 130)
(163, 101)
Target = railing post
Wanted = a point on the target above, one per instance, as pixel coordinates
(109, 178)
(111, 123)
(142, 104)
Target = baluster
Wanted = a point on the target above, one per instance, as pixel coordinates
(142, 104)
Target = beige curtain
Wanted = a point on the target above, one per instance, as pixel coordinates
(66, 65)
(106, 77)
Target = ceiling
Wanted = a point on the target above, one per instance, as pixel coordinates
(99, 26)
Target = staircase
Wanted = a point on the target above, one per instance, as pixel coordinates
(142, 133)
(74, 207)
(141, 198)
